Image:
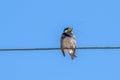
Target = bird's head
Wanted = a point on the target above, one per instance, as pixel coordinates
(68, 30)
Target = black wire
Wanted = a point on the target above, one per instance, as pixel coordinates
(31, 49)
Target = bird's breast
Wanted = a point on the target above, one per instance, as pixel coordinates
(69, 42)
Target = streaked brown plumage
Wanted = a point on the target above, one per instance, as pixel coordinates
(68, 41)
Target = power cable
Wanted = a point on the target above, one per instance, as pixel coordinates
(33, 49)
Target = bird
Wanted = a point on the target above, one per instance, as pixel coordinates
(68, 42)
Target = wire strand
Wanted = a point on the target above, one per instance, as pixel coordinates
(33, 49)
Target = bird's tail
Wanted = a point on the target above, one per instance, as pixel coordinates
(73, 56)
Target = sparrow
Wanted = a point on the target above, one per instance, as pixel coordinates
(68, 42)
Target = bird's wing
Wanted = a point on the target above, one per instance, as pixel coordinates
(61, 46)
(74, 44)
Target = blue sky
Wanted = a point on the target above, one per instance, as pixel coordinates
(39, 23)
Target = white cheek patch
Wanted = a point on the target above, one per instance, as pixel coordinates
(66, 31)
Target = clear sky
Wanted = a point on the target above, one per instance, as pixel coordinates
(40, 23)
